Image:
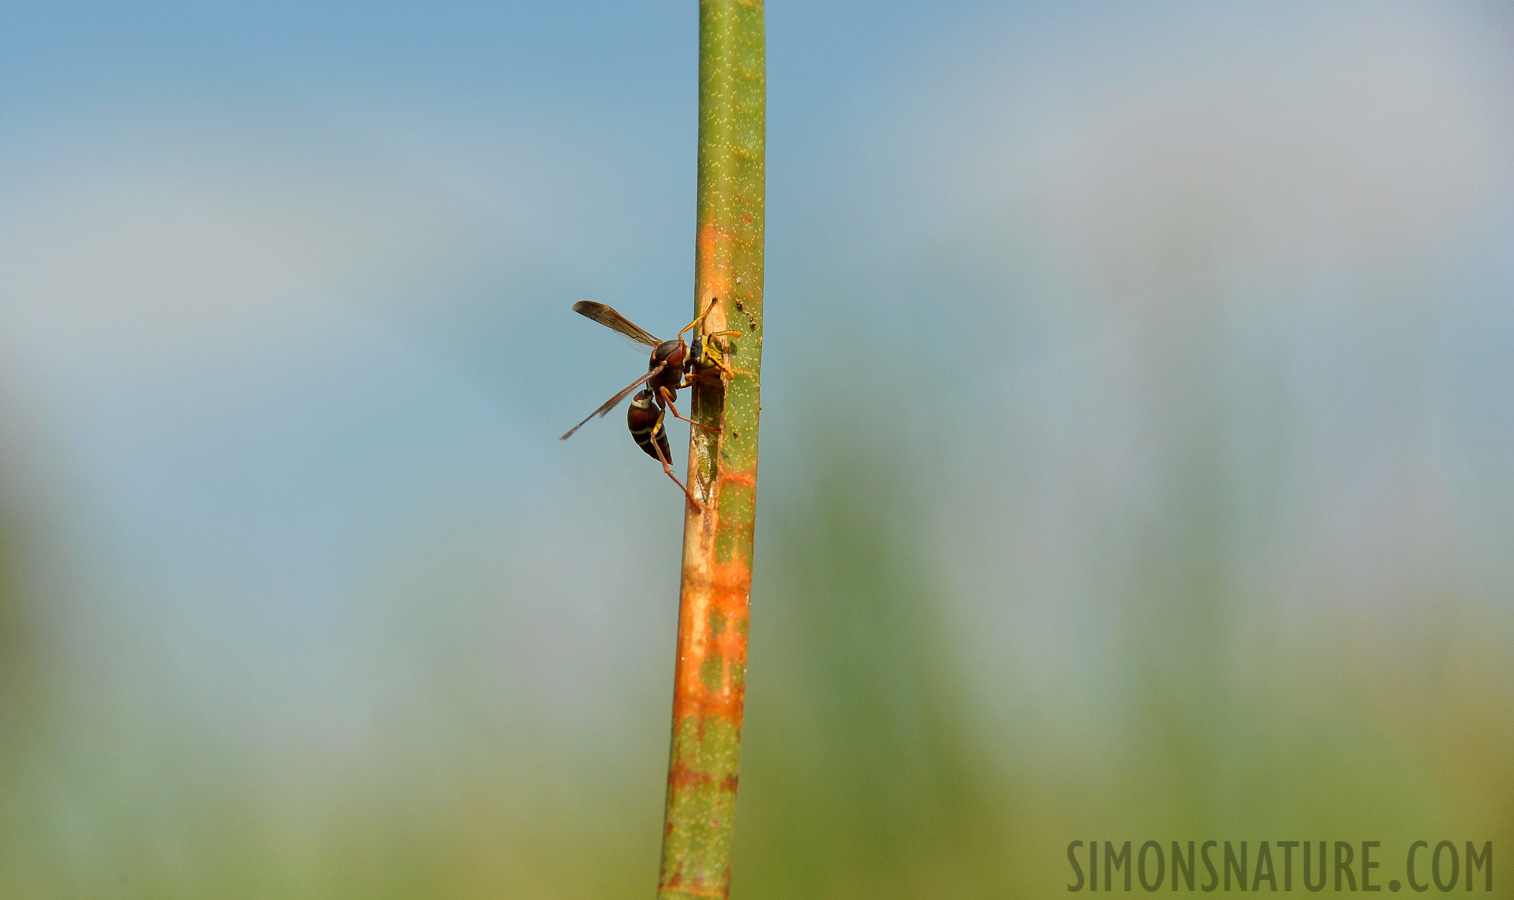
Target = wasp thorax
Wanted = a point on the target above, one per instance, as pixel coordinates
(670, 352)
(671, 356)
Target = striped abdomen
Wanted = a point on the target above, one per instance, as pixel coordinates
(644, 418)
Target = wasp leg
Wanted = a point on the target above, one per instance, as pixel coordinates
(666, 467)
(726, 374)
(667, 397)
(725, 377)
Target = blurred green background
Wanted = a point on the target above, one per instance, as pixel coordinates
(1138, 453)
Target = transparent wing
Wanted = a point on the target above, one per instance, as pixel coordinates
(611, 403)
(613, 320)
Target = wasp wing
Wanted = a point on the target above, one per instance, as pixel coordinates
(611, 403)
(613, 320)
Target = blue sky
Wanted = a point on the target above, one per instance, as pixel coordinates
(288, 325)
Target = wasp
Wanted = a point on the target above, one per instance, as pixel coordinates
(675, 365)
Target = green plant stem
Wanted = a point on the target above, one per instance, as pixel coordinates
(710, 679)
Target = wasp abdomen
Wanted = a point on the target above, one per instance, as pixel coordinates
(644, 418)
